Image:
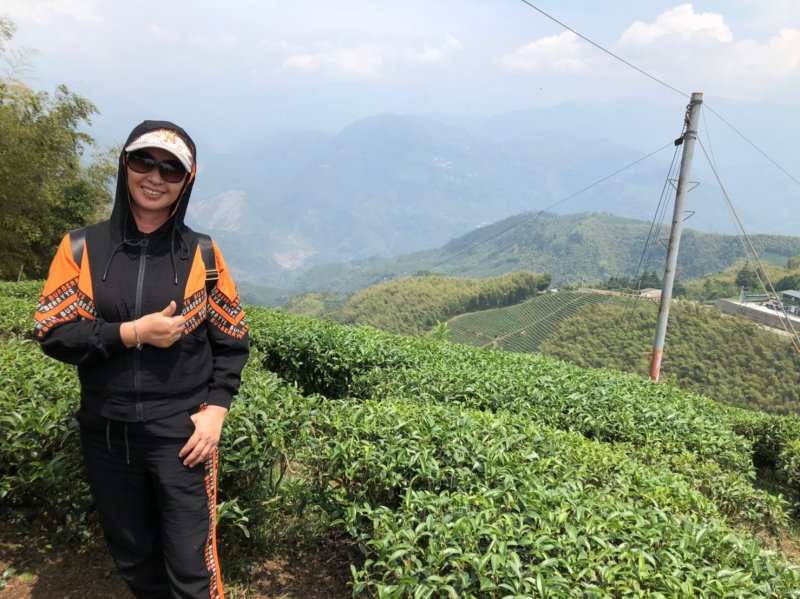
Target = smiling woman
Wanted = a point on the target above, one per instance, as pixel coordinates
(155, 182)
(156, 381)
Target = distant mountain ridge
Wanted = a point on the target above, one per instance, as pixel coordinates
(391, 184)
(572, 248)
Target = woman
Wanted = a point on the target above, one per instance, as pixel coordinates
(159, 354)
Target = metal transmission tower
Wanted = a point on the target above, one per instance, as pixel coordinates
(691, 120)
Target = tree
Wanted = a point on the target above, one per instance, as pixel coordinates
(46, 188)
(793, 263)
(788, 282)
(747, 278)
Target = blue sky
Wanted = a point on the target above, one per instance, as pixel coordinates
(230, 71)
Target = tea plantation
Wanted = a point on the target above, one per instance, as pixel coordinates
(450, 471)
(522, 327)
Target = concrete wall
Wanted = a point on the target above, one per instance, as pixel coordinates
(755, 313)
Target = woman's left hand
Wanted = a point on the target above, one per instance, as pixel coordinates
(207, 430)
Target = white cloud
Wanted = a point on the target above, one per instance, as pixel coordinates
(701, 48)
(564, 52)
(43, 11)
(361, 61)
(777, 58)
(682, 22)
(690, 49)
(434, 54)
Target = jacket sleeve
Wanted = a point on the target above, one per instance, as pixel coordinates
(66, 321)
(228, 334)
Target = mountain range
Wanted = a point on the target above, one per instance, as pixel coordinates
(391, 185)
(584, 247)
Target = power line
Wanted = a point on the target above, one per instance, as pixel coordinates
(753, 144)
(707, 131)
(546, 208)
(655, 229)
(748, 246)
(606, 50)
(663, 83)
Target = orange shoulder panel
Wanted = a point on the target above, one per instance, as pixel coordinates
(67, 293)
(225, 283)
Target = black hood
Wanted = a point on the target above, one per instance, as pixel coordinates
(121, 219)
(124, 232)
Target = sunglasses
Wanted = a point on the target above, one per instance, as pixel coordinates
(172, 171)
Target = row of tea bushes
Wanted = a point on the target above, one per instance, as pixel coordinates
(710, 443)
(41, 471)
(449, 501)
(339, 361)
(335, 360)
(441, 497)
(40, 465)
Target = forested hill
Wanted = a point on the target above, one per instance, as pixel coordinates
(727, 358)
(413, 305)
(573, 248)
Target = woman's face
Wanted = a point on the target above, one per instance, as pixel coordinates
(149, 192)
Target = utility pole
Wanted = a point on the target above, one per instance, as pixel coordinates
(691, 119)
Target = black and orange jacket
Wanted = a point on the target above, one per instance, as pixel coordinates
(123, 275)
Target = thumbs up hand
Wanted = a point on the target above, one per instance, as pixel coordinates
(170, 309)
(161, 329)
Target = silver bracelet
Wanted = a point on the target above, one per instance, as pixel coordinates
(136, 333)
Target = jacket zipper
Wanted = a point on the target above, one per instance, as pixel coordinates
(137, 356)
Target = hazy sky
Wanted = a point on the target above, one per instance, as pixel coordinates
(238, 70)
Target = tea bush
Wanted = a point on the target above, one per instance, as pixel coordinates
(16, 316)
(40, 463)
(27, 290)
(338, 361)
(450, 501)
(458, 472)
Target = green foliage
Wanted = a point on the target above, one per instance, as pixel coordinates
(729, 359)
(315, 305)
(574, 248)
(448, 501)
(16, 316)
(647, 280)
(726, 284)
(793, 263)
(27, 290)
(40, 464)
(522, 327)
(788, 282)
(338, 361)
(445, 466)
(747, 278)
(413, 305)
(45, 189)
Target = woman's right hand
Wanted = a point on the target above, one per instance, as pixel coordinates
(160, 329)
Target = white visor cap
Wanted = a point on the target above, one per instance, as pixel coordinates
(166, 140)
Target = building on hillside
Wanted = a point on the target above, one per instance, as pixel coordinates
(768, 314)
(790, 297)
(650, 293)
(753, 298)
(791, 301)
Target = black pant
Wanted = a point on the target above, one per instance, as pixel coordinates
(158, 516)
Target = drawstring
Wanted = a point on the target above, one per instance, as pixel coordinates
(127, 447)
(129, 242)
(174, 232)
(184, 249)
(117, 248)
(172, 254)
(125, 435)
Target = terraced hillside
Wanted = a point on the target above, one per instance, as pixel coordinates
(522, 327)
(445, 470)
(412, 305)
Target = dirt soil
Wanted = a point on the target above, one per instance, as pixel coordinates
(43, 571)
